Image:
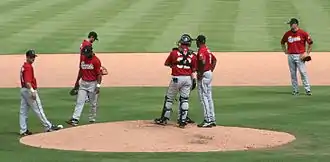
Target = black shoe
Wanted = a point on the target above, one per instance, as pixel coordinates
(205, 124)
(308, 93)
(213, 124)
(161, 121)
(189, 120)
(53, 128)
(26, 133)
(73, 122)
(295, 93)
(182, 124)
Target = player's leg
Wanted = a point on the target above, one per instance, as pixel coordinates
(202, 99)
(23, 116)
(93, 99)
(185, 84)
(205, 99)
(171, 92)
(293, 73)
(80, 102)
(304, 77)
(209, 77)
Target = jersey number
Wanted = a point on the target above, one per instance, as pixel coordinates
(185, 63)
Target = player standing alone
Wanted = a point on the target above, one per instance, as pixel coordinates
(206, 64)
(296, 40)
(30, 97)
(182, 61)
(91, 77)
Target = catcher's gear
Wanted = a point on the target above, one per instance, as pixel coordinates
(185, 40)
(193, 86)
(74, 90)
(306, 58)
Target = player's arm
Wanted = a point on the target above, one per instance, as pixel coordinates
(79, 75)
(200, 62)
(28, 81)
(169, 60)
(97, 69)
(283, 41)
(309, 42)
(214, 62)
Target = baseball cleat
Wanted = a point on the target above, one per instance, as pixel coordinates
(213, 124)
(308, 93)
(73, 122)
(205, 124)
(189, 120)
(295, 93)
(26, 133)
(182, 124)
(53, 128)
(161, 121)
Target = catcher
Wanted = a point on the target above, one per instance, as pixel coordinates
(183, 63)
(296, 40)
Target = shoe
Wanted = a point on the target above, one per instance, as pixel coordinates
(308, 93)
(53, 128)
(26, 133)
(182, 124)
(189, 120)
(205, 124)
(161, 121)
(73, 122)
(213, 124)
(295, 93)
(92, 121)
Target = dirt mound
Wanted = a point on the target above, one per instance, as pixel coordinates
(144, 136)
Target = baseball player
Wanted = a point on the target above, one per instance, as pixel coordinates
(183, 63)
(206, 62)
(296, 40)
(30, 97)
(90, 75)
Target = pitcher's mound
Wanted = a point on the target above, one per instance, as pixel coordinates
(144, 136)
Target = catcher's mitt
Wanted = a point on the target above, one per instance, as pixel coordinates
(306, 58)
(74, 91)
(193, 86)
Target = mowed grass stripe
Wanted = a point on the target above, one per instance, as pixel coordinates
(36, 33)
(34, 17)
(8, 5)
(219, 23)
(68, 37)
(251, 28)
(143, 32)
(187, 21)
(316, 26)
(279, 13)
(23, 10)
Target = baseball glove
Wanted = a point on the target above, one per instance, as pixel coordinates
(193, 84)
(306, 58)
(74, 91)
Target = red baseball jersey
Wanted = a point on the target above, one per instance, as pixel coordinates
(27, 76)
(90, 68)
(182, 64)
(205, 54)
(296, 41)
(84, 44)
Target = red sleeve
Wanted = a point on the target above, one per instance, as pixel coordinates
(97, 66)
(194, 63)
(169, 60)
(308, 38)
(284, 38)
(27, 74)
(200, 55)
(213, 57)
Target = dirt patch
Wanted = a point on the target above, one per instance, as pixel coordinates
(144, 136)
(146, 69)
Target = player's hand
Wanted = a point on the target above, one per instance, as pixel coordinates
(303, 55)
(97, 90)
(33, 95)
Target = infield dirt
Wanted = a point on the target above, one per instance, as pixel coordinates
(142, 69)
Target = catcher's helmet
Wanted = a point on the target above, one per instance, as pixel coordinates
(185, 39)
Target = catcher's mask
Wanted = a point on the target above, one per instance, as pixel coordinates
(88, 51)
(185, 40)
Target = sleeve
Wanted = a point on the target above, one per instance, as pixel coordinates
(200, 55)
(169, 60)
(194, 63)
(284, 38)
(97, 67)
(27, 74)
(213, 57)
(308, 38)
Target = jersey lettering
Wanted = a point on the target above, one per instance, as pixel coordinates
(83, 65)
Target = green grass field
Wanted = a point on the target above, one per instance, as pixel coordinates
(59, 26)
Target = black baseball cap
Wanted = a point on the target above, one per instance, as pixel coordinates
(201, 38)
(293, 21)
(93, 34)
(31, 53)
